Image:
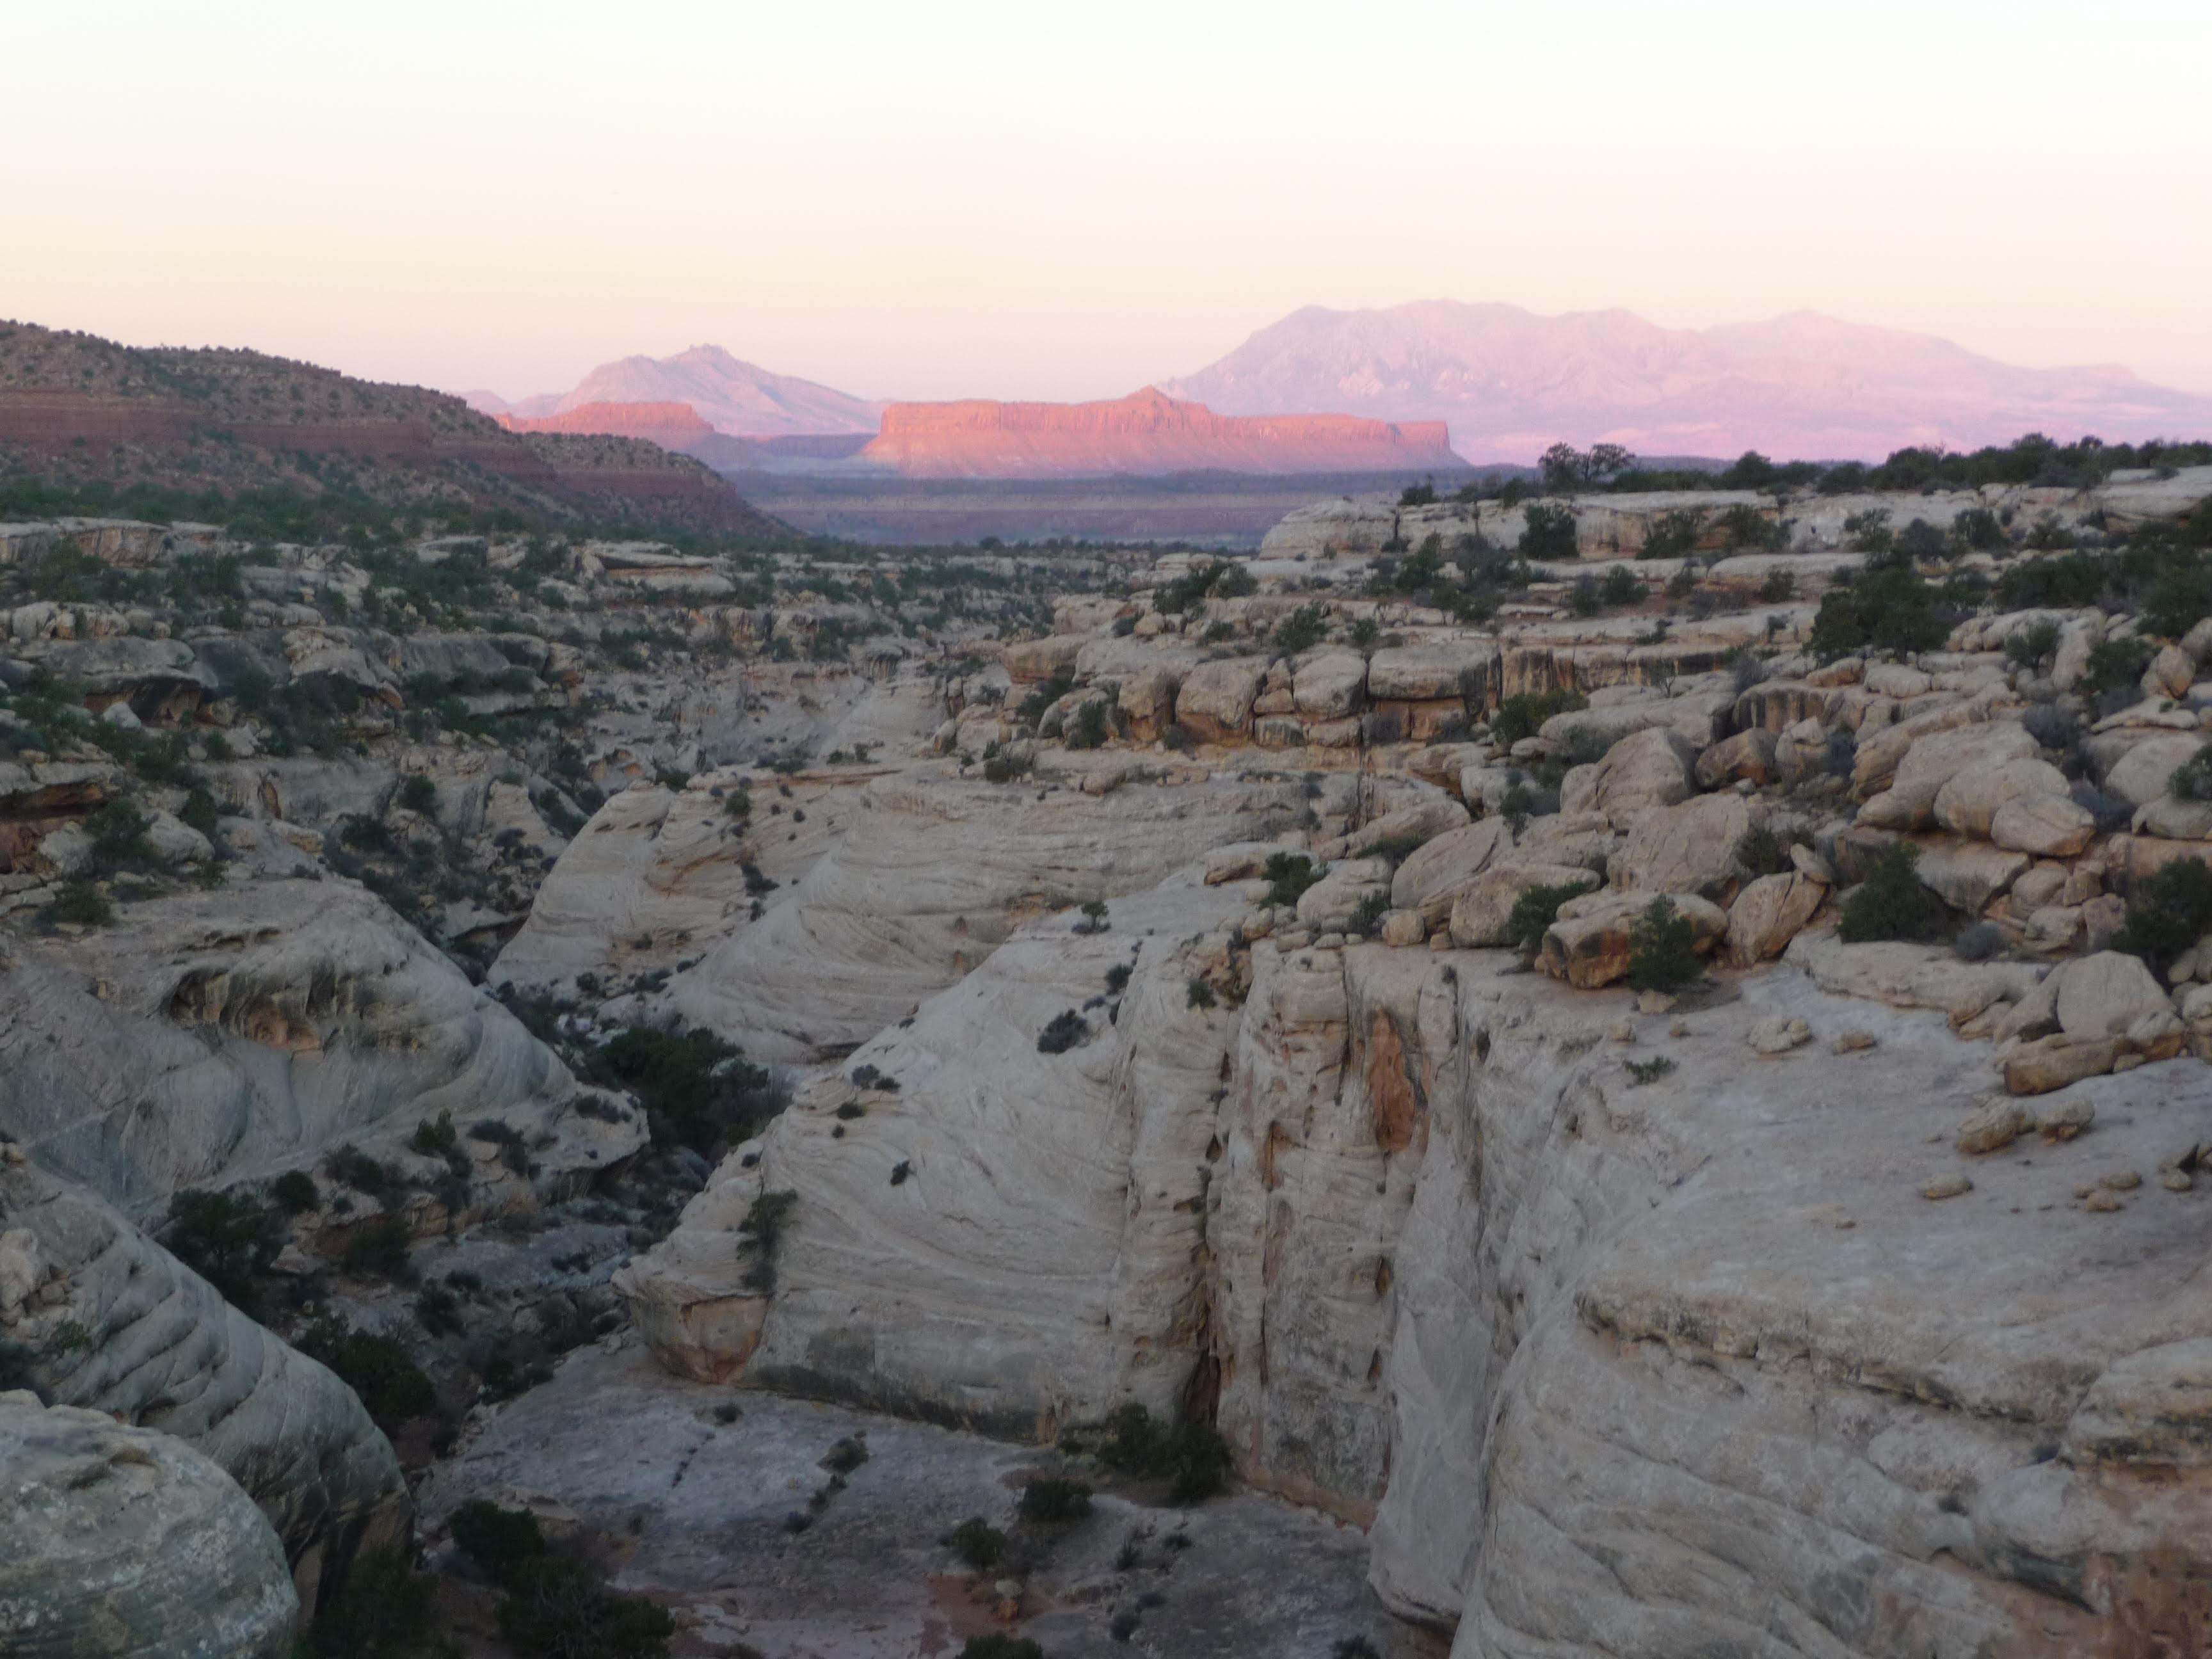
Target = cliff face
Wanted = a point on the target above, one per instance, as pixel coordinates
(672, 426)
(1147, 432)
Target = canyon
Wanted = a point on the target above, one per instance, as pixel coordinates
(868, 1023)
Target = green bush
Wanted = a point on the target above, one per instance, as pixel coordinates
(697, 1089)
(1289, 875)
(1891, 904)
(1536, 909)
(2034, 646)
(419, 794)
(1088, 730)
(382, 1611)
(1055, 1498)
(1062, 1032)
(378, 1249)
(1621, 587)
(375, 1366)
(435, 1137)
(977, 1543)
(199, 812)
(2118, 665)
(228, 1238)
(1547, 535)
(118, 841)
(2167, 913)
(1197, 994)
(1887, 609)
(2192, 779)
(1674, 535)
(498, 1541)
(760, 1235)
(1662, 949)
(79, 903)
(1192, 1457)
(557, 1609)
(1761, 851)
(1520, 715)
(293, 1191)
(997, 1644)
(1303, 629)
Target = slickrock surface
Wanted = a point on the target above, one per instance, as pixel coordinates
(125, 1543)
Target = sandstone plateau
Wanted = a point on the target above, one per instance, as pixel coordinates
(1146, 432)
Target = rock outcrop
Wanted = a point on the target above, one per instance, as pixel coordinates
(126, 1542)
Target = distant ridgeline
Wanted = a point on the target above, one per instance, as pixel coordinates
(76, 409)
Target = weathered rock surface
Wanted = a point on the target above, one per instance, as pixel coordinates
(125, 1543)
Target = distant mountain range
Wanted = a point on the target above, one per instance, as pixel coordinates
(1803, 386)
(730, 395)
(1506, 381)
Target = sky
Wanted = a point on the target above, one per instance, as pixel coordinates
(1063, 201)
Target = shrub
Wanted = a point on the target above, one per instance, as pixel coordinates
(1978, 942)
(560, 1609)
(198, 812)
(1089, 729)
(1367, 915)
(978, 1543)
(419, 794)
(698, 1090)
(1004, 768)
(760, 1235)
(847, 1456)
(1976, 530)
(1921, 541)
(350, 1166)
(1583, 598)
(375, 1366)
(2167, 913)
(1518, 716)
(1289, 875)
(2192, 779)
(1761, 851)
(1117, 979)
(379, 1250)
(1780, 585)
(227, 1238)
(1548, 534)
(1891, 904)
(1303, 629)
(1621, 586)
(79, 903)
(2033, 646)
(382, 1611)
(293, 1191)
(1887, 610)
(1055, 1498)
(997, 1644)
(1641, 1072)
(433, 1137)
(1662, 949)
(1062, 1032)
(438, 1310)
(498, 1541)
(1746, 527)
(1674, 535)
(2118, 665)
(1192, 1457)
(1354, 1647)
(118, 839)
(1536, 909)
(1197, 994)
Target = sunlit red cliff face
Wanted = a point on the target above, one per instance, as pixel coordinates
(672, 426)
(1146, 433)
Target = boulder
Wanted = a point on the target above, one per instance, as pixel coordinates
(1408, 825)
(1928, 762)
(1590, 944)
(2144, 773)
(1417, 673)
(2105, 994)
(1684, 848)
(1147, 699)
(1651, 767)
(1480, 914)
(1431, 880)
(1329, 686)
(2171, 673)
(1778, 1034)
(1969, 800)
(1747, 756)
(127, 1543)
(1768, 914)
(2053, 1062)
(1028, 662)
(1967, 875)
(1217, 697)
(2048, 826)
(1330, 904)
(2154, 1408)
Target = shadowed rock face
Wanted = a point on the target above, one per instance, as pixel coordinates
(125, 1543)
(234, 1035)
(1435, 1261)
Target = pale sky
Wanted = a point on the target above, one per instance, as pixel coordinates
(1047, 201)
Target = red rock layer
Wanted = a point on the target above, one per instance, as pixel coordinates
(1145, 433)
(672, 426)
